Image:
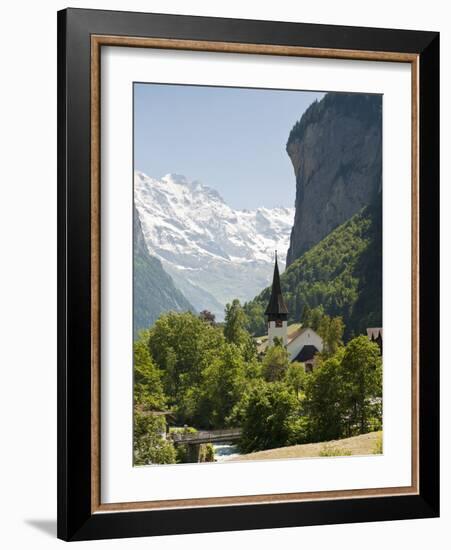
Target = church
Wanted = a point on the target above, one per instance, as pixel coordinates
(302, 343)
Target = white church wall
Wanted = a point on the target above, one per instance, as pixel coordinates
(307, 338)
(277, 332)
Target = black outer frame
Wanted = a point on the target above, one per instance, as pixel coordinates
(75, 520)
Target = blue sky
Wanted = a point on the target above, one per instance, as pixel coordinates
(231, 139)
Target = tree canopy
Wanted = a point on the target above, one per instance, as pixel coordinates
(189, 371)
(275, 362)
(271, 418)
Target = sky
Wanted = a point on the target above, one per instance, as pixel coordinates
(231, 139)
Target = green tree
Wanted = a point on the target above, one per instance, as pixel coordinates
(323, 403)
(235, 323)
(275, 362)
(296, 377)
(362, 384)
(204, 374)
(222, 386)
(148, 387)
(315, 317)
(182, 345)
(271, 418)
(343, 393)
(335, 334)
(306, 316)
(255, 313)
(149, 444)
(235, 330)
(331, 330)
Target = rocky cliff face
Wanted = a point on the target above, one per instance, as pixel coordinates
(336, 151)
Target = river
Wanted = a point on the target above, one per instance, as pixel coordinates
(225, 451)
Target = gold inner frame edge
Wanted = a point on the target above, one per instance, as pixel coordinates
(97, 41)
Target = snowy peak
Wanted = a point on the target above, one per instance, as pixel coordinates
(178, 186)
(206, 244)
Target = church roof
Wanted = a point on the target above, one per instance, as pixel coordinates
(298, 332)
(276, 305)
(295, 331)
(306, 354)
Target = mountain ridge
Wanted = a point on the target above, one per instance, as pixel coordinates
(214, 253)
(154, 291)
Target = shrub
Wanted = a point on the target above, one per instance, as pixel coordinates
(207, 453)
(329, 450)
(378, 445)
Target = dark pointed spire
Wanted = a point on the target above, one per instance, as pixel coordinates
(277, 308)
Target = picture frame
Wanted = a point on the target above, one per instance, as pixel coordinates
(81, 36)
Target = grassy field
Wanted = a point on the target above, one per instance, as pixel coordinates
(366, 444)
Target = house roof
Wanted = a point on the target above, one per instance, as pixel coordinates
(306, 354)
(276, 305)
(374, 332)
(294, 331)
(295, 334)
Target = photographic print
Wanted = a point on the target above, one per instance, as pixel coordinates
(248, 308)
(257, 274)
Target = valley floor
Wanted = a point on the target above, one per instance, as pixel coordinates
(365, 444)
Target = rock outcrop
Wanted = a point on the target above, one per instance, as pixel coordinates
(336, 151)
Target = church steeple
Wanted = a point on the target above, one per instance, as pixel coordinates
(276, 308)
(277, 311)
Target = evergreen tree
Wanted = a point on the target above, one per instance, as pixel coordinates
(315, 317)
(306, 313)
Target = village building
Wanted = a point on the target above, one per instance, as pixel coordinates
(375, 335)
(302, 343)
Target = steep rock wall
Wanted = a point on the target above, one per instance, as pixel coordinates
(336, 152)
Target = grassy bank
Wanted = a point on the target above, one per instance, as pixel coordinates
(365, 444)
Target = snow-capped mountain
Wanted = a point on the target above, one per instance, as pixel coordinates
(213, 252)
